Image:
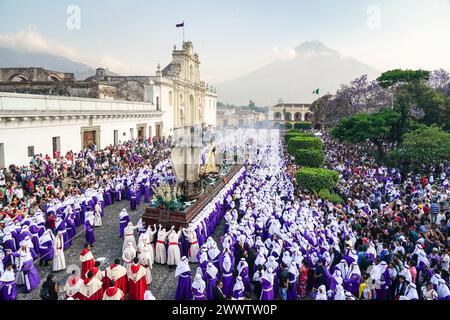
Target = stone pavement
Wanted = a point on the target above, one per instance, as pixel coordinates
(109, 246)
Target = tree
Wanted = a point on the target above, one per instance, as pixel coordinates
(288, 125)
(359, 96)
(439, 80)
(313, 158)
(377, 128)
(398, 77)
(316, 179)
(426, 146)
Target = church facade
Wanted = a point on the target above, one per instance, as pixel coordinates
(43, 111)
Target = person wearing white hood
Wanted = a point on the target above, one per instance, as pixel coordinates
(443, 290)
(340, 293)
(238, 290)
(59, 260)
(380, 274)
(129, 236)
(160, 250)
(8, 284)
(191, 236)
(128, 255)
(321, 293)
(199, 287)
(410, 293)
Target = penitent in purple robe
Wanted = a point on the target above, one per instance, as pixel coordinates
(266, 290)
(292, 291)
(46, 251)
(123, 224)
(8, 290)
(31, 276)
(184, 287)
(352, 284)
(382, 293)
(228, 283)
(133, 199)
(245, 279)
(90, 237)
(211, 283)
(146, 193)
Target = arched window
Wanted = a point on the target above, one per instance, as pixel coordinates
(18, 78)
(170, 98)
(277, 116)
(298, 116)
(308, 116)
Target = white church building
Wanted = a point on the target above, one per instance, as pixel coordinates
(62, 114)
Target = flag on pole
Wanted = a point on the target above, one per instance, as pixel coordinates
(180, 25)
(316, 91)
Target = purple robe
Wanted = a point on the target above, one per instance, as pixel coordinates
(198, 295)
(123, 224)
(31, 276)
(266, 290)
(210, 284)
(8, 291)
(46, 251)
(133, 199)
(184, 287)
(90, 237)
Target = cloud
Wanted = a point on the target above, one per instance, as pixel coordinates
(30, 40)
(112, 63)
(284, 54)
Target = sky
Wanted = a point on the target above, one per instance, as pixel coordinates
(232, 37)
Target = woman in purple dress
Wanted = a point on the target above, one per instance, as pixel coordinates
(267, 282)
(211, 276)
(353, 280)
(198, 288)
(46, 251)
(183, 272)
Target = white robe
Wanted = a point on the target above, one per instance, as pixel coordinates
(160, 256)
(129, 237)
(144, 260)
(97, 216)
(173, 251)
(59, 260)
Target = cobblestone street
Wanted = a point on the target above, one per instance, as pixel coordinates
(109, 246)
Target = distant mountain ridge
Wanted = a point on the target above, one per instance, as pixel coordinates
(10, 58)
(314, 66)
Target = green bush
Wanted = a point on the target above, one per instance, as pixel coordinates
(303, 125)
(300, 142)
(325, 194)
(316, 179)
(291, 134)
(309, 157)
(288, 125)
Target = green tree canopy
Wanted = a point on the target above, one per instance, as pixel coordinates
(424, 146)
(398, 76)
(376, 128)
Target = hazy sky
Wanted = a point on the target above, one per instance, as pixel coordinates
(232, 37)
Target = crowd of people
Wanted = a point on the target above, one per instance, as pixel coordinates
(389, 241)
(44, 205)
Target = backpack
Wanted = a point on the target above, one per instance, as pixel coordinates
(45, 294)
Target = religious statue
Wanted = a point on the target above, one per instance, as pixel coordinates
(211, 161)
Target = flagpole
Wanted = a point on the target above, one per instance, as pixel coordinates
(183, 31)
